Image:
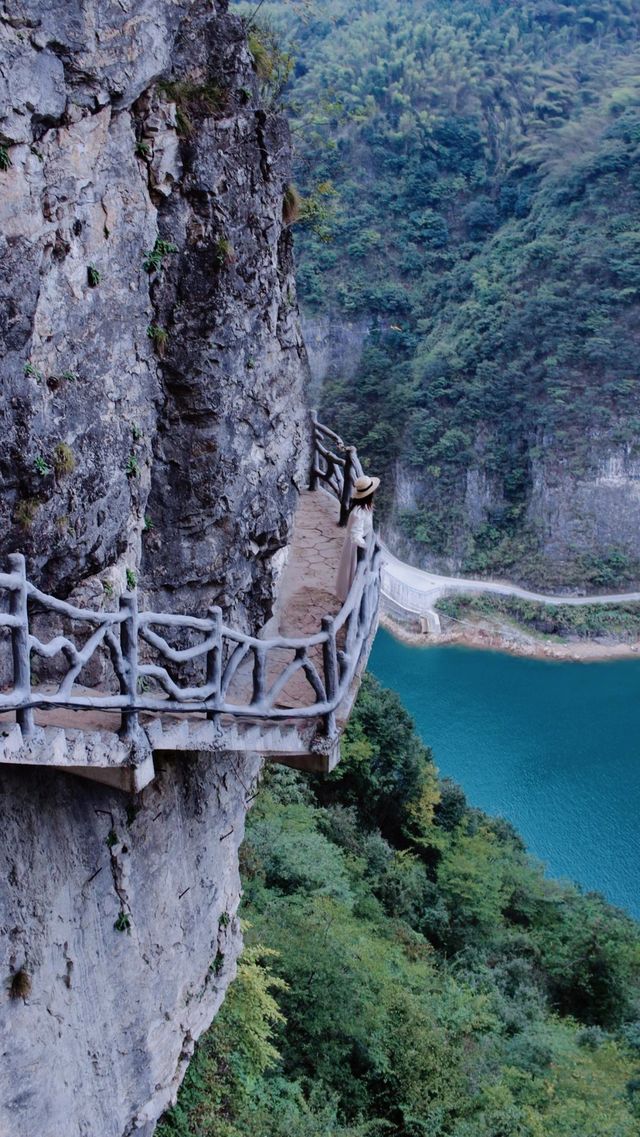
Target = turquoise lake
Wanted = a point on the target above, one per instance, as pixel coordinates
(553, 747)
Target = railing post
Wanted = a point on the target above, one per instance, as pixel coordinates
(363, 607)
(313, 476)
(347, 485)
(330, 665)
(214, 659)
(353, 619)
(20, 643)
(259, 674)
(129, 648)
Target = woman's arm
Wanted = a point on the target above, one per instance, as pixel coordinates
(358, 528)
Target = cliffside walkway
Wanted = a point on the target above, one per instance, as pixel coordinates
(417, 591)
(172, 682)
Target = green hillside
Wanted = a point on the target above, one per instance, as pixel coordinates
(411, 971)
(472, 181)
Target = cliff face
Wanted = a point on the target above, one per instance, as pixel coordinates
(152, 421)
(579, 525)
(123, 915)
(592, 513)
(573, 523)
(137, 384)
(334, 346)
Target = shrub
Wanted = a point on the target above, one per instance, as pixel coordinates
(291, 205)
(41, 466)
(154, 258)
(223, 253)
(159, 336)
(385, 778)
(20, 984)
(452, 806)
(63, 459)
(25, 512)
(33, 372)
(193, 99)
(262, 54)
(272, 65)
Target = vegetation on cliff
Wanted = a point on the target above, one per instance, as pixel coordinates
(420, 975)
(472, 180)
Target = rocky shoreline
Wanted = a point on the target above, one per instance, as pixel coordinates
(490, 635)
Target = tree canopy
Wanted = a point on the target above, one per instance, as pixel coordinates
(419, 978)
(471, 181)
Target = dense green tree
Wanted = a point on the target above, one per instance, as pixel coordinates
(485, 205)
(385, 769)
(442, 987)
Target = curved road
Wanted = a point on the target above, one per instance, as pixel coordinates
(430, 586)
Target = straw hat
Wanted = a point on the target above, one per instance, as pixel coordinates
(364, 487)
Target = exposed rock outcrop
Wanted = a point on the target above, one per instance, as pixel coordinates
(588, 514)
(334, 345)
(122, 915)
(572, 521)
(151, 409)
(152, 420)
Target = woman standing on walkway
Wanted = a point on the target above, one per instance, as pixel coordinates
(359, 527)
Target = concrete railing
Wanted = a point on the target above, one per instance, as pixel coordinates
(133, 646)
(410, 600)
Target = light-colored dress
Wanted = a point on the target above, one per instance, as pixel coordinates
(359, 526)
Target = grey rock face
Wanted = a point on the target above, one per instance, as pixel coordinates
(101, 1040)
(152, 420)
(597, 512)
(110, 428)
(80, 54)
(230, 429)
(78, 374)
(334, 345)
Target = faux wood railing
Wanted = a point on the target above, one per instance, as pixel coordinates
(337, 471)
(136, 645)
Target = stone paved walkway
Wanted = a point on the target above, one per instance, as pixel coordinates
(306, 591)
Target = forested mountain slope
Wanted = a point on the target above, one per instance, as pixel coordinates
(473, 188)
(418, 976)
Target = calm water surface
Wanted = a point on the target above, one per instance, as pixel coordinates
(553, 747)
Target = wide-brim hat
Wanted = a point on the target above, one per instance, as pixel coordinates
(364, 487)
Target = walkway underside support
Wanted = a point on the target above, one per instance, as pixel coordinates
(176, 683)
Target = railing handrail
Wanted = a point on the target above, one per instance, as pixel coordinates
(123, 631)
(337, 472)
(321, 428)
